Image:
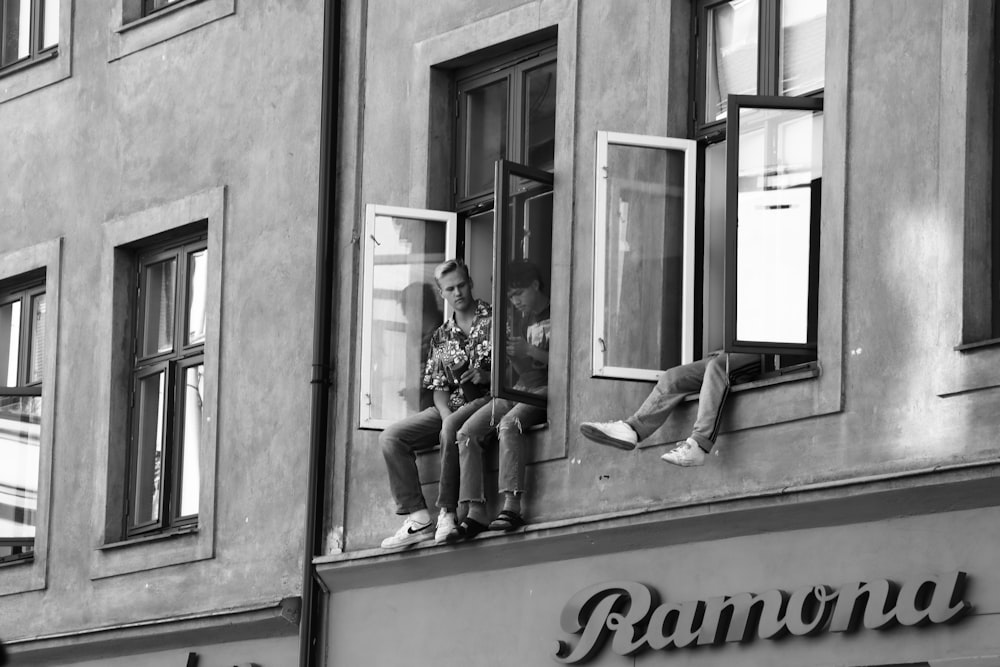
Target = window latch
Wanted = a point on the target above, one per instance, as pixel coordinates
(604, 346)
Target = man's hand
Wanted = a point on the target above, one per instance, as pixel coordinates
(476, 376)
(518, 348)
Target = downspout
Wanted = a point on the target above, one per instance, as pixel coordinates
(312, 619)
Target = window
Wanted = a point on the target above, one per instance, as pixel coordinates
(167, 388)
(400, 308)
(644, 245)
(501, 199)
(29, 30)
(150, 6)
(756, 47)
(759, 219)
(138, 24)
(160, 312)
(22, 354)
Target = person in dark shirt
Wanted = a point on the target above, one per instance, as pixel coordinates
(527, 350)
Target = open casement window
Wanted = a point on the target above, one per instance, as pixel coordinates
(523, 248)
(401, 308)
(773, 182)
(644, 255)
(167, 389)
(29, 30)
(22, 338)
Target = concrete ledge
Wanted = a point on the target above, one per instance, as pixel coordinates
(271, 619)
(939, 489)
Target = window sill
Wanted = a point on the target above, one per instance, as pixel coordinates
(17, 560)
(774, 398)
(45, 69)
(158, 14)
(37, 60)
(133, 36)
(166, 535)
(978, 345)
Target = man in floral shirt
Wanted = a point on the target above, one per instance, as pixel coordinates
(458, 371)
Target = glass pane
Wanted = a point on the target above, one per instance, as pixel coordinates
(16, 37)
(160, 4)
(190, 476)
(803, 46)
(405, 311)
(10, 342)
(36, 350)
(644, 255)
(149, 442)
(197, 287)
(486, 135)
(479, 253)
(20, 430)
(731, 54)
(159, 304)
(50, 25)
(525, 278)
(780, 169)
(540, 117)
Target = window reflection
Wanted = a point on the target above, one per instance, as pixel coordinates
(405, 311)
(37, 339)
(644, 255)
(10, 342)
(486, 114)
(196, 293)
(159, 297)
(50, 25)
(779, 175)
(803, 46)
(20, 430)
(540, 117)
(148, 465)
(731, 54)
(190, 477)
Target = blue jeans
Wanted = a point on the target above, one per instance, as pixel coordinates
(402, 440)
(707, 376)
(508, 419)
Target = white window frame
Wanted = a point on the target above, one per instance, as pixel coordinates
(373, 211)
(689, 148)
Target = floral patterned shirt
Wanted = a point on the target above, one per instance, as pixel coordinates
(452, 352)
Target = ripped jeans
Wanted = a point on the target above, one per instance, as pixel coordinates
(508, 420)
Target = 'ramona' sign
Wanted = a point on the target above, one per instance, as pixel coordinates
(630, 613)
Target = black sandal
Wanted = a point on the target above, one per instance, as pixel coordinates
(466, 530)
(507, 520)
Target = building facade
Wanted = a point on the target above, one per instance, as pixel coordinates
(859, 166)
(157, 238)
(219, 222)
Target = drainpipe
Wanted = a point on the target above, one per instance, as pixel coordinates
(310, 624)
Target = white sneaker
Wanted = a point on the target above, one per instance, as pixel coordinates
(616, 434)
(687, 453)
(446, 524)
(410, 532)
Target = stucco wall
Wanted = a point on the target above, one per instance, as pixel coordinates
(511, 615)
(900, 177)
(234, 103)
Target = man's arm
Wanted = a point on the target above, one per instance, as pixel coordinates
(441, 397)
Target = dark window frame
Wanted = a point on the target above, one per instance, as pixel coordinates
(513, 67)
(172, 364)
(24, 289)
(732, 342)
(36, 38)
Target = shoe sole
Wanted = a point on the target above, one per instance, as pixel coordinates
(416, 539)
(602, 438)
(682, 465)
